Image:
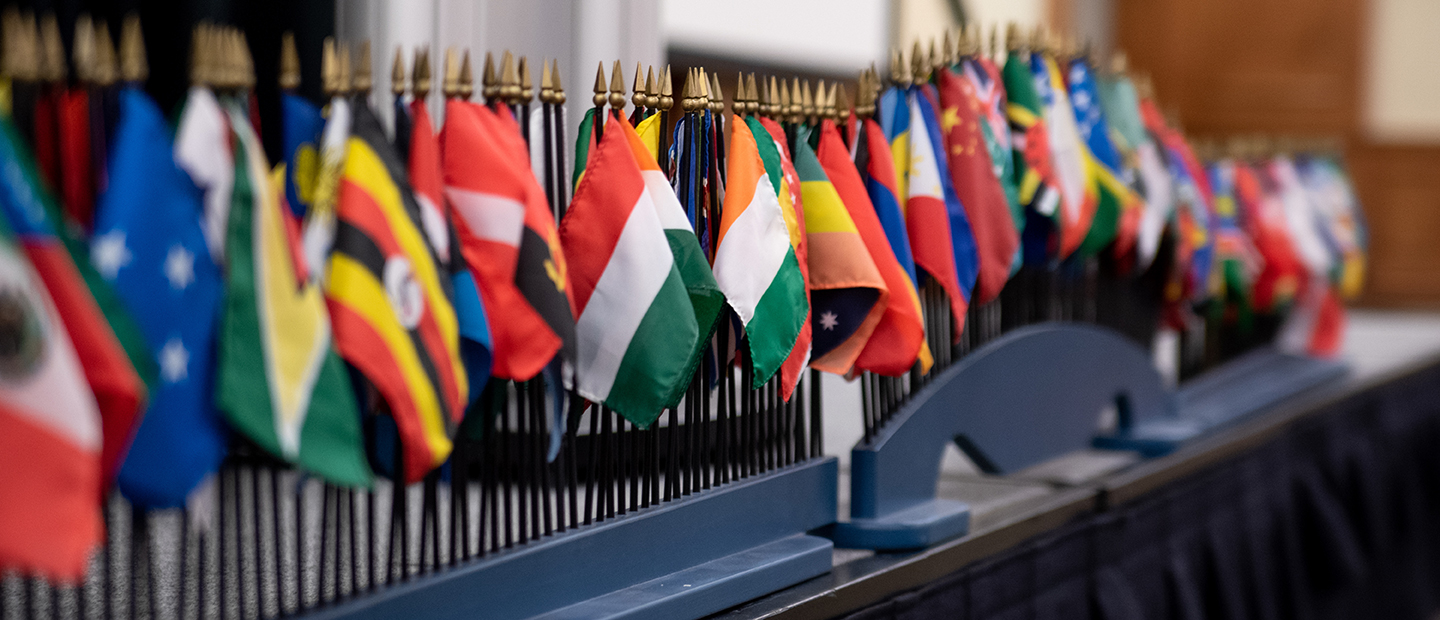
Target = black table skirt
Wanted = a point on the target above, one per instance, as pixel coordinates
(1336, 517)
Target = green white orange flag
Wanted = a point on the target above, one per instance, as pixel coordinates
(755, 264)
(632, 302)
(792, 207)
(280, 384)
(705, 294)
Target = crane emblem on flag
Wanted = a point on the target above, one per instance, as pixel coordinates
(404, 291)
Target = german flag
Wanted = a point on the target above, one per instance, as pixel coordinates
(391, 309)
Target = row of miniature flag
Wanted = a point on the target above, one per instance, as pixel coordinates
(206, 293)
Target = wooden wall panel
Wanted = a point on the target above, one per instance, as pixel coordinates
(1294, 67)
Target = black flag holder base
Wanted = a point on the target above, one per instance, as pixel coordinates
(689, 558)
(1035, 394)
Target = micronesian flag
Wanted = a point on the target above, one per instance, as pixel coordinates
(148, 223)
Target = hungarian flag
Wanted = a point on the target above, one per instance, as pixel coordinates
(428, 180)
(847, 295)
(50, 435)
(755, 263)
(1117, 210)
(111, 349)
(793, 208)
(1036, 185)
(203, 149)
(940, 232)
(1067, 156)
(705, 295)
(507, 235)
(898, 338)
(389, 300)
(636, 333)
(149, 217)
(279, 382)
(974, 175)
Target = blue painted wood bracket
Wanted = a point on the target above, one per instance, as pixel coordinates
(1030, 396)
(1241, 388)
(687, 559)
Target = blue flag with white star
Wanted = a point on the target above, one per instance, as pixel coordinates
(150, 245)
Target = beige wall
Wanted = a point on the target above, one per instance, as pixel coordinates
(1402, 83)
(927, 19)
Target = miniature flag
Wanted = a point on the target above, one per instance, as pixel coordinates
(793, 207)
(939, 229)
(50, 436)
(1117, 209)
(896, 342)
(873, 164)
(202, 148)
(149, 218)
(649, 132)
(279, 383)
(705, 295)
(755, 264)
(1067, 156)
(1281, 272)
(848, 296)
(976, 179)
(1342, 220)
(110, 346)
(508, 237)
(318, 234)
(1122, 109)
(77, 177)
(389, 300)
(636, 334)
(301, 125)
(428, 180)
(1036, 185)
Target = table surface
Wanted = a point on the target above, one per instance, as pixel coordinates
(1006, 511)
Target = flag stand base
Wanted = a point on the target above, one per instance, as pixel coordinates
(688, 558)
(1029, 396)
(1242, 387)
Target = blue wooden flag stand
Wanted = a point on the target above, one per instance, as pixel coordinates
(686, 559)
(1034, 394)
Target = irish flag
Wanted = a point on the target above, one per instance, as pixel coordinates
(634, 311)
(50, 433)
(755, 264)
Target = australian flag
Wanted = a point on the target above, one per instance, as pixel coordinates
(149, 244)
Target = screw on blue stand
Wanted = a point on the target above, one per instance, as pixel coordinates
(1027, 397)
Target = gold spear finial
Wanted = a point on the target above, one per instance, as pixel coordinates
(133, 67)
(794, 111)
(936, 61)
(347, 77)
(105, 66)
(832, 101)
(947, 48)
(34, 51)
(717, 102)
(223, 72)
(82, 50)
(450, 83)
(864, 103)
(687, 92)
(420, 74)
(601, 96)
(994, 41)
(807, 102)
(489, 80)
(527, 87)
(247, 62)
(509, 79)
(1014, 40)
(637, 90)
(1119, 63)
(330, 68)
(363, 78)
(617, 87)
(52, 49)
(397, 72)
(667, 90)
(752, 95)
(782, 100)
(1039, 43)
(772, 98)
(555, 79)
(466, 85)
(844, 107)
(919, 68)
(652, 90)
(290, 62)
(547, 90)
(899, 70)
(740, 92)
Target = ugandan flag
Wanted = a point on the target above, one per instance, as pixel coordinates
(389, 306)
